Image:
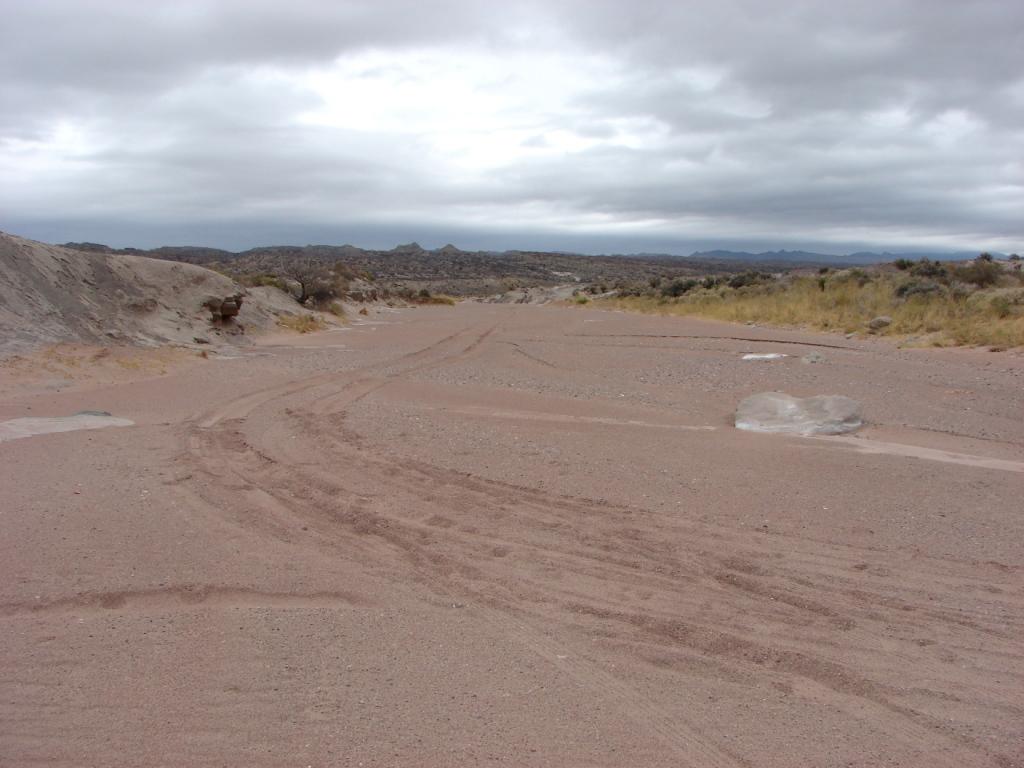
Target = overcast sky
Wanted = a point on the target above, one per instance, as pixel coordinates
(601, 125)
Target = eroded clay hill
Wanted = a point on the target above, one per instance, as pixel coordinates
(53, 294)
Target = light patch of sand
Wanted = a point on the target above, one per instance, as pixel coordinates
(920, 452)
(15, 429)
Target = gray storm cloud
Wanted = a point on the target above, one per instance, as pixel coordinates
(615, 126)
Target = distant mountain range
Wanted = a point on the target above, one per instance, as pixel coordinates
(451, 270)
(200, 255)
(808, 257)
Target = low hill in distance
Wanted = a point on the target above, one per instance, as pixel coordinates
(451, 270)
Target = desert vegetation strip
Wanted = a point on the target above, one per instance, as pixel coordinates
(975, 303)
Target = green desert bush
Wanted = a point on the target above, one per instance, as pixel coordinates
(745, 279)
(982, 273)
(678, 287)
(918, 288)
(926, 268)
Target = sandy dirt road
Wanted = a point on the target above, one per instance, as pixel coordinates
(518, 535)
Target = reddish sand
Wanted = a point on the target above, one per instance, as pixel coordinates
(519, 535)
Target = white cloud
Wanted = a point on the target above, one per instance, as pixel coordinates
(885, 123)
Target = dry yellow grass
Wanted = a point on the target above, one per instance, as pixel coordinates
(438, 298)
(335, 308)
(301, 323)
(989, 318)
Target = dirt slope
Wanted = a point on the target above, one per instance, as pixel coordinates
(519, 535)
(52, 294)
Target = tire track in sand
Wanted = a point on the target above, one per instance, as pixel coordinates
(459, 571)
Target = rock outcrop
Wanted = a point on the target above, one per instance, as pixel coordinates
(224, 309)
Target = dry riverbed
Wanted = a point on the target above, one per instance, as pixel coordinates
(515, 534)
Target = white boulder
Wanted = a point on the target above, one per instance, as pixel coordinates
(818, 415)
